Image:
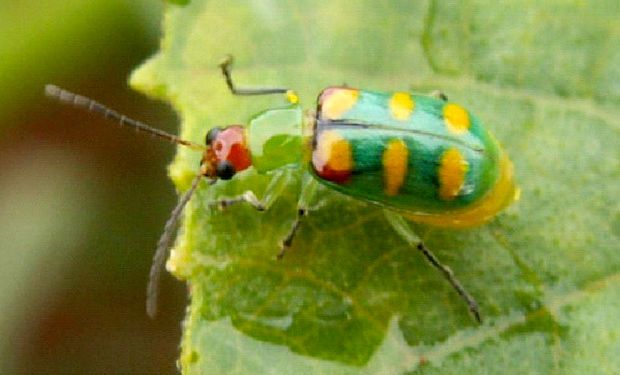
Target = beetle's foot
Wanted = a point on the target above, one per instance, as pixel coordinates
(223, 204)
(284, 246)
(438, 94)
(226, 62)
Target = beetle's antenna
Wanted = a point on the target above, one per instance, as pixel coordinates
(152, 290)
(76, 100)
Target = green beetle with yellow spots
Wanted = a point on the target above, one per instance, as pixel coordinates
(420, 157)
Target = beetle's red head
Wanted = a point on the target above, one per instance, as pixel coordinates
(227, 152)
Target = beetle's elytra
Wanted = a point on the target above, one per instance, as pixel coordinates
(428, 158)
(421, 157)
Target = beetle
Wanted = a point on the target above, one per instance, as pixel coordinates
(420, 157)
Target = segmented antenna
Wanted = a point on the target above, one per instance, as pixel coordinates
(152, 289)
(76, 100)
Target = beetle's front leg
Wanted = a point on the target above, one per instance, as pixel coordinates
(279, 180)
(248, 197)
(402, 228)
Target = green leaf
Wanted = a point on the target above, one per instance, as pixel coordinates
(178, 2)
(351, 296)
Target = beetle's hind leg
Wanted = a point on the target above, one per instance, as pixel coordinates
(226, 67)
(402, 228)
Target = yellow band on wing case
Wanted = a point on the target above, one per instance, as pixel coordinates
(502, 194)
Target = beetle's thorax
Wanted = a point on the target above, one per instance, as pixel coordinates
(274, 138)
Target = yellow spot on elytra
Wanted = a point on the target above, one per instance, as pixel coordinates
(401, 105)
(292, 97)
(452, 172)
(517, 194)
(338, 102)
(501, 195)
(335, 151)
(395, 162)
(456, 118)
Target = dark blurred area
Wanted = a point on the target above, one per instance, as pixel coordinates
(82, 201)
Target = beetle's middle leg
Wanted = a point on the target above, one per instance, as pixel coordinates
(308, 192)
(402, 228)
(274, 189)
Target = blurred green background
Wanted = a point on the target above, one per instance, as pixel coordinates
(82, 202)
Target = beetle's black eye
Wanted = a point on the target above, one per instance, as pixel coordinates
(225, 170)
(211, 134)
